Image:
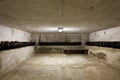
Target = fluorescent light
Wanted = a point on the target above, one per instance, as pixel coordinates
(60, 29)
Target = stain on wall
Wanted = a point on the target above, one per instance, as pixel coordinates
(99, 55)
(108, 55)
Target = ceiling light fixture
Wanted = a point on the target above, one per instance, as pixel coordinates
(60, 29)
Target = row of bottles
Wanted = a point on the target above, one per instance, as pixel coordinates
(59, 43)
(6, 45)
(105, 44)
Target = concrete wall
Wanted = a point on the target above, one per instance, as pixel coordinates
(12, 34)
(11, 58)
(58, 38)
(111, 34)
(108, 55)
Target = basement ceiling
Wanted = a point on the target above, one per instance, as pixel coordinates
(45, 16)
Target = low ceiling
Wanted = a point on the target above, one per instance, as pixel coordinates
(45, 16)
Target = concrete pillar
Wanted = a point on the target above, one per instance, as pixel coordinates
(35, 38)
(84, 39)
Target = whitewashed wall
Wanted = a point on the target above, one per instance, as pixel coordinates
(112, 55)
(11, 58)
(12, 34)
(112, 34)
(60, 37)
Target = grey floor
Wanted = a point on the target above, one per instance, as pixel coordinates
(63, 67)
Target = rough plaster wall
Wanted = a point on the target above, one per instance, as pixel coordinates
(11, 34)
(5, 33)
(60, 37)
(19, 35)
(11, 58)
(112, 34)
(111, 56)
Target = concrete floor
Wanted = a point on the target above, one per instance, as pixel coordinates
(63, 67)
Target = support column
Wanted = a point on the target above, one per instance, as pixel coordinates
(84, 39)
(35, 38)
